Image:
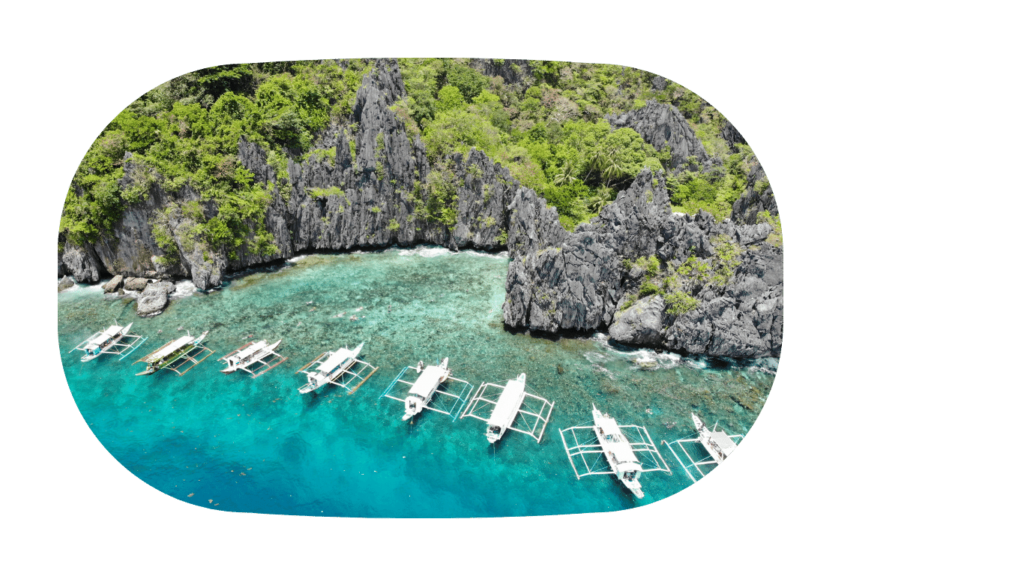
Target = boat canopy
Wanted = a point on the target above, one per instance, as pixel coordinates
(335, 360)
(250, 349)
(105, 335)
(427, 381)
(723, 441)
(508, 403)
(168, 349)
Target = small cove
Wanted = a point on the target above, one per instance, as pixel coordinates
(235, 443)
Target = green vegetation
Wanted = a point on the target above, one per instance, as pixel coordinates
(552, 136)
(323, 155)
(186, 132)
(679, 303)
(727, 259)
(324, 192)
(648, 288)
(549, 132)
(775, 238)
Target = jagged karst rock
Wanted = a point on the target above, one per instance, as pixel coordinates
(378, 196)
(663, 124)
(514, 72)
(641, 323)
(60, 262)
(752, 202)
(153, 299)
(65, 283)
(81, 263)
(114, 284)
(135, 284)
(578, 281)
(731, 135)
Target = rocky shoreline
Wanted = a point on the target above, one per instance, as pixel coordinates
(713, 288)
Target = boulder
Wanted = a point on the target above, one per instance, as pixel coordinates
(640, 323)
(114, 285)
(65, 283)
(136, 284)
(153, 299)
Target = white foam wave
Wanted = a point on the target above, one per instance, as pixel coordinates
(297, 258)
(183, 289)
(496, 255)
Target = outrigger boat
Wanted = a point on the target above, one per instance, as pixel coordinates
(429, 384)
(622, 456)
(341, 368)
(252, 355)
(116, 340)
(175, 354)
(716, 444)
(508, 406)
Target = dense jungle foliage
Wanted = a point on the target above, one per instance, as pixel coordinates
(548, 127)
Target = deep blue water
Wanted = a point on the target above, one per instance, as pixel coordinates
(235, 443)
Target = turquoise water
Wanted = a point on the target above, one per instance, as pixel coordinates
(231, 442)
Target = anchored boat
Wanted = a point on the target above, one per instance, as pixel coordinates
(433, 381)
(714, 447)
(622, 456)
(116, 340)
(187, 350)
(341, 368)
(507, 406)
(252, 358)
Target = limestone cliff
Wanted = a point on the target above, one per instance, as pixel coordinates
(663, 125)
(370, 195)
(367, 184)
(584, 280)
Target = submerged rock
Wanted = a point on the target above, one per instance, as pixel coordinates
(114, 285)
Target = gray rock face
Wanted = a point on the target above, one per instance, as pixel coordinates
(65, 283)
(578, 280)
(663, 124)
(752, 202)
(114, 284)
(81, 263)
(136, 284)
(514, 72)
(60, 262)
(731, 135)
(640, 323)
(153, 299)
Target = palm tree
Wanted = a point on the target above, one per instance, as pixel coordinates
(565, 175)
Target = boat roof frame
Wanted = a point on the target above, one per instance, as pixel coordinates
(122, 347)
(192, 357)
(539, 417)
(451, 404)
(346, 376)
(702, 465)
(592, 457)
(263, 364)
